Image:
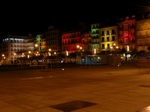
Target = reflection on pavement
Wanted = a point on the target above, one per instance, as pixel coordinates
(30, 78)
(146, 109)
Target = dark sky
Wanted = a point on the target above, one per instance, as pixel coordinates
(21, 18)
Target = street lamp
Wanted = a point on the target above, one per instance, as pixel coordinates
(79, 52)
(29, 52)
(77, 46)
(78, 58)
(79, 49)
(3, 56)
(115, 54)
(49, 52)
(36, 45)
(114, 48)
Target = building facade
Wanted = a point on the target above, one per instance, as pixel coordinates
(95, 38)
(143, 35)
(108, 38)
(14, 47)
(127, 33)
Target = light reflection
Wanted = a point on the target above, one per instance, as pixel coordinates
(146, 109)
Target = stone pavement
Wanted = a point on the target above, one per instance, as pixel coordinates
(76, 89)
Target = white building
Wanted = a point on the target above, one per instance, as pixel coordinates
(11, 45)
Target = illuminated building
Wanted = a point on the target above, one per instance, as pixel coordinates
(108, 37)
(95, 37)
(14, 47)
(70, 40)
(53, 38)
(126, 33)
(143, 35)
(86, 39)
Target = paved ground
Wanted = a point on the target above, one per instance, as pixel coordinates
(76, 89)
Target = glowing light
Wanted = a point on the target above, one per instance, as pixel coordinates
(78, 46)
(146, 109)
(66, 53)
(23, 55)
(49, 54)
(29, 52)
(28, 56)
(49, 50)
(36, 45)
(94, 51)
(127, 48)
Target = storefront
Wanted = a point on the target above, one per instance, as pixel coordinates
(88, 59)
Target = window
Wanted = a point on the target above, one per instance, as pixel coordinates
(108, 39)
(107, 32)
(132, 26)
(113, 31)
(103, 46)
(108, 46)
(97, 31)
(113, 38)
(102, 33)
(126, 26)
(102, 39)
(126, 41)
(125, 33)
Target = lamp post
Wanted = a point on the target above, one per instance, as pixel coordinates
(79, 53)
(3, 57)
(29, 53)
(50, 54)
(36, 45)
(115, 54)
(78, 57)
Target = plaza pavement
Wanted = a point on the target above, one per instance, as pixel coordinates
(76, 89)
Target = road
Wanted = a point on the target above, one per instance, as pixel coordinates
(76, 89)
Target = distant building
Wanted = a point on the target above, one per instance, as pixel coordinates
(108, 38)
(13, 47)
(143, 35)
(127, 33)
(53, 39)
(95, 38)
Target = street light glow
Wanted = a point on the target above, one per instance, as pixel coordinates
(49, 50)
(66, 53)
(94, 51)
(36, 45)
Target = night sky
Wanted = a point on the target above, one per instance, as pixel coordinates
(21, 18)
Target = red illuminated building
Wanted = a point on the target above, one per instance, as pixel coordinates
(126, 36)
(70, 40)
